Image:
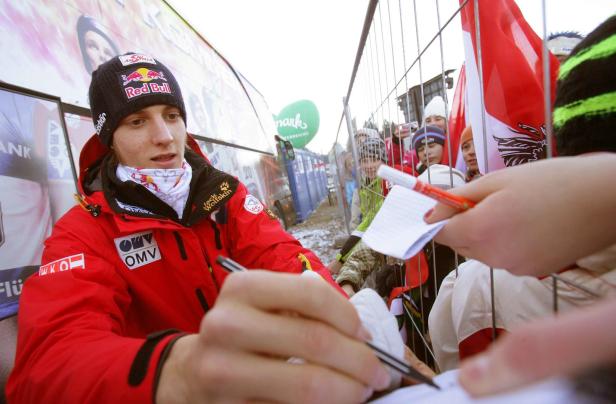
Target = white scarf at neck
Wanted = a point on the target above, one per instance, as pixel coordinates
(170, 185)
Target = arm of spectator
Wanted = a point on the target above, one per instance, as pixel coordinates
(560, 346)
(562, 206)
(362, 261)
(245, 340)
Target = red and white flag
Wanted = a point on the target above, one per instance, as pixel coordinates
(512, 85)
(458, 120)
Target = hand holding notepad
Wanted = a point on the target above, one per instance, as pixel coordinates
(398, 229)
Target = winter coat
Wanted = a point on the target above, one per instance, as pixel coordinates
(360, 263)
(371, 198)
(122, 278)
(397, 156)
(460, 322)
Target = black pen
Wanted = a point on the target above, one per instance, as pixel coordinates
(230, 265)
(385, 357)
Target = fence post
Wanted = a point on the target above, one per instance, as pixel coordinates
(341, 191)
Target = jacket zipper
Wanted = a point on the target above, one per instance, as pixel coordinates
(198, 291)
(216, 235)
(178, 240)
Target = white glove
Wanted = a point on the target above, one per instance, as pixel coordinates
(383, 326)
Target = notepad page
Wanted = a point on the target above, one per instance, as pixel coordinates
(398, 229)
(552, 391)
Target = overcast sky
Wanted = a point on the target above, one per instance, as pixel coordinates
(305, 49)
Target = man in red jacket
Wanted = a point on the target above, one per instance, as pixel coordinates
(116, 311)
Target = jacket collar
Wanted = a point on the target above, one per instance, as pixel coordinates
(134, 207)
(94, 151)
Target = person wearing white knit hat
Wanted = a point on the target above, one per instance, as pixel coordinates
(435, 113)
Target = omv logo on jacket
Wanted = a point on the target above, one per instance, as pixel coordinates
(137, 250)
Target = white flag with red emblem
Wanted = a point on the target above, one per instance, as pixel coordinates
(512, 85)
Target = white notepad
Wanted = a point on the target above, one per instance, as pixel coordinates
(398, 229)
(552, 391)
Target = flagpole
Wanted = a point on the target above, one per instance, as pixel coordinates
(448, 135)
(547, 103)
(547, 90)
(481, 95)
(485, 141)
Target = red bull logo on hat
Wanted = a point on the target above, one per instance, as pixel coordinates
(145, 76)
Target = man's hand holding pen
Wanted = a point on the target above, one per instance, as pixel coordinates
(240, 351)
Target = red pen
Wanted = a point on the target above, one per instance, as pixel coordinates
(408, 181)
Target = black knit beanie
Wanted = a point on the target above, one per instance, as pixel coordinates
(126, 84)
(585, 105)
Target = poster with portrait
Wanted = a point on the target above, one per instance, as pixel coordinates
(73, 37)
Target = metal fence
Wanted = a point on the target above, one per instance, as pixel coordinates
(409, 53)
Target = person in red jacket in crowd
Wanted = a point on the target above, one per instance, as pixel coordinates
(130, 305)
(398, 148)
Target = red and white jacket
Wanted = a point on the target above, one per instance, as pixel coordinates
(116, 277)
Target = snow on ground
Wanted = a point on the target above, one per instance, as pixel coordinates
(320, 232)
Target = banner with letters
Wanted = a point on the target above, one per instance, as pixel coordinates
(36, 183)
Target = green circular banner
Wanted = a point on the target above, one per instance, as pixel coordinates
(298, 122)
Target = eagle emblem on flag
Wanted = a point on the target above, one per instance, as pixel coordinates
(530, 145)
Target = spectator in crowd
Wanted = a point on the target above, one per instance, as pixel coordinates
(435, 113)
(428, 143)
(557, 196)
(398, 147)
(562, 43)
(350, 183)
(362, 134)
(116, 311)
(440, 258)
(468, 154)
(363, 261)
(370, 197)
